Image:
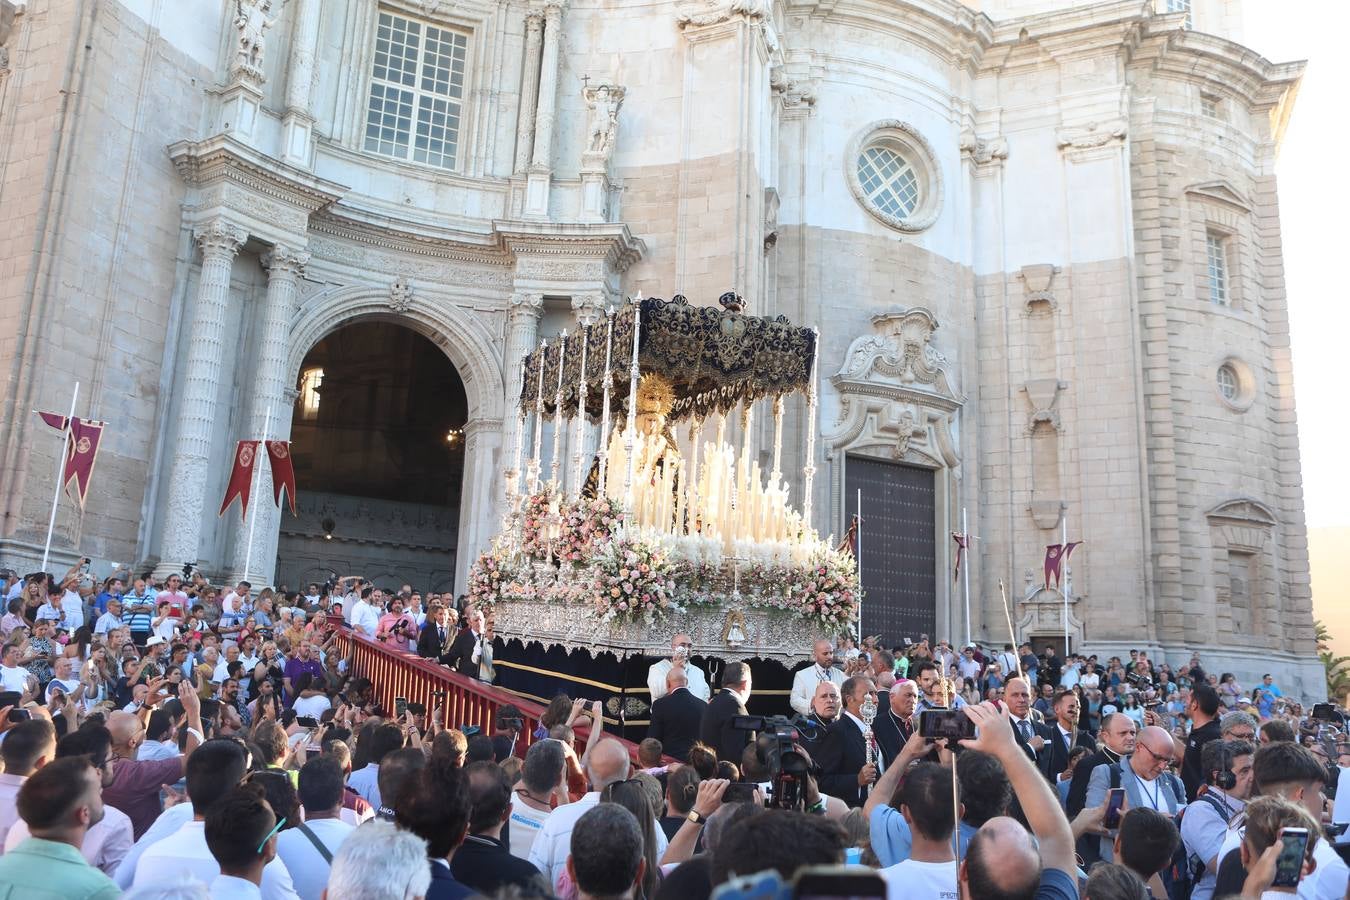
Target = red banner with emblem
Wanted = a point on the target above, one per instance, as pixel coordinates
(241, 477)
(1056, 555)
(283, 471)
(81, 455)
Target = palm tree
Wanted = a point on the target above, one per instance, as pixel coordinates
(1338, 667)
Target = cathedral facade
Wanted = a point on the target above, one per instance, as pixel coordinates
(1040, 240)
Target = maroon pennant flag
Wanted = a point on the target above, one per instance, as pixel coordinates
(962, 545)
(55, 420)
(1056, 555)
(241, 477)
(81, 455)
(283, 471)
(850, 542)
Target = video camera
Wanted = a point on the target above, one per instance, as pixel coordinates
(776, 751)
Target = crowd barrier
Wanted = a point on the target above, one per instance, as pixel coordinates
(463, 701)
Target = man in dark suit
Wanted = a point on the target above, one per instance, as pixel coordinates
(717, 731)
(815, 725)
(677, 716)
(843, 758)
(435, 638)
(1027, 730)
(1061, 736)
(1117, 739)
(895, 720)
(466, 653)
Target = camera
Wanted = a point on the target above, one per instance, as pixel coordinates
(775, 749)
(188, 568)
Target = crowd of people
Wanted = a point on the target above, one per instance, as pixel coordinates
(174, 739)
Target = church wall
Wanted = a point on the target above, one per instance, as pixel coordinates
(107, 295)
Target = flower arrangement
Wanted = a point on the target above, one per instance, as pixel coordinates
(536, 514)
(588, 523)
(829, 591)
(486, 579)
(632, 581)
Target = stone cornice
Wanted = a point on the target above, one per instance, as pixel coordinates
(223, 159)
(372, 229)
(611, 241)
(948, 29)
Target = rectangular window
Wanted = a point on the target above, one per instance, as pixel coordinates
(1209, 107)
(1216, 249)
(1241, 580)
(416, 91)
(310, 383)
(1175, 6)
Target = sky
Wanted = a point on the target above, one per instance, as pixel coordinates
(1314, 201)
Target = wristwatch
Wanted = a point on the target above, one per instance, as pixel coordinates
(696, 817)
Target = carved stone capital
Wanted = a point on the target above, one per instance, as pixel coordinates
(525, 304)
(401, 294)
(589, 307)
(983, 151)
(715, 12)
(283, 261)
(534, 24)
(219, 238)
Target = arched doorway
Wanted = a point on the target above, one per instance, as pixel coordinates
(379, 447)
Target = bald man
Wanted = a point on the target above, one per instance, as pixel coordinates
(1029, 733)
(606, 764)
(1144, 776)
(821, 669)
(681, 646)
(1002, 859)
(132, 785)
(677, 717)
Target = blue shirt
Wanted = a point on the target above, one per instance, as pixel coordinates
(101, 601)
(891, 838)
(1056, 885)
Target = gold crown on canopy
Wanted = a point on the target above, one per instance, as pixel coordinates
(655, 394)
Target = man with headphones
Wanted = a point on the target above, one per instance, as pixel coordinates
(1227, 767)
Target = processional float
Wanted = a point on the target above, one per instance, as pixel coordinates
(672, 525)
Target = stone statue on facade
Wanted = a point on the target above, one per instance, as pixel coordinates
(604, 101)
(251, 24)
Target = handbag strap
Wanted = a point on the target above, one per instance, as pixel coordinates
(318, 844)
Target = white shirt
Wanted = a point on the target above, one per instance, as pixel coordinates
(1151, 791)
(167, 628)
(9, 812)
(152, 750)
(656, 680)
(312, 706)
(804, 686)
(106, 623)
(169, 821)
(185, 853)
(14, 679)
(969, 668)
(913, 880)
(553, 844)
(526, 822)
(1203, 829)
(49, 612)
(105, 845)
(365, 618)
(227, 887)
(308, 869)
(1329, 880)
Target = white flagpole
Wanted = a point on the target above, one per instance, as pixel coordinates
(1064, 581)
(253, 516)
(965, 535)
(60, 470)
(857, 536)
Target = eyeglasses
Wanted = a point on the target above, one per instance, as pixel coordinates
(1165, 760)
(1242, 735)
(281, 823)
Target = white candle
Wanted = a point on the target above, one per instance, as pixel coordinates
(602, 484)
(557, 413)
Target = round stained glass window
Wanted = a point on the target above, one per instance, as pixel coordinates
(888, 181)
(1229, 386)
(894, 174)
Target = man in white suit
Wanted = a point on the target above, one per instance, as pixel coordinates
(821, 669)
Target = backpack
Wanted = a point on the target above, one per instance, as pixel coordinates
(1185, 870)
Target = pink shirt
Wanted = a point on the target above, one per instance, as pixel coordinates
(178, 602)
(400, 642)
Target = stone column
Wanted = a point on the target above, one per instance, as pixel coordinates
(479, 514)
(272, 390)
(220, 240)
(522, 334)
(541, 165)
(298, 122)
(529, 92)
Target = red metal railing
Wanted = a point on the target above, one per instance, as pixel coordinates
(467, 701)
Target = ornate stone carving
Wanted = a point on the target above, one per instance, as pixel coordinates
(589, 307)
(8, 11)
(901, 350)
(1090, 136)
(1039, 281)
(219, 238)
(250, 25)
(791, 94)
(983, 151)
(282, 260)
(714, 12)
(400, 294)
(1043, 394)
(525, 304)
(604, 101)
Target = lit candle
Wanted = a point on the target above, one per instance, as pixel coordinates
(557, 413)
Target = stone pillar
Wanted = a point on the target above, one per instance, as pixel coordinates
(198, 411)
(529, 92)
(298, 122)
(272, 391)
(541, 165)
(479, 514)
(522, 334)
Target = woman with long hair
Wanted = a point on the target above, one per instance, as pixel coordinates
(633, 797)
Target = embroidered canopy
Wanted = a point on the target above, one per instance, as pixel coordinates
(714, 357)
